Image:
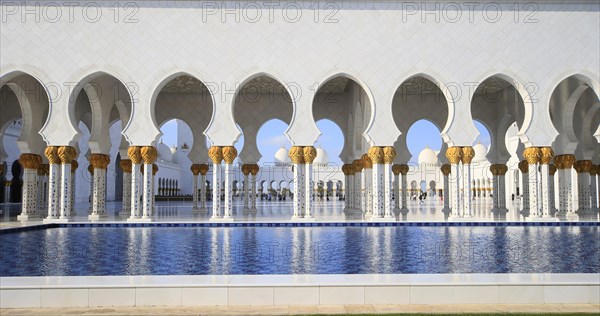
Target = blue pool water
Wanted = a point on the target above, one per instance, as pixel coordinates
(300, 250)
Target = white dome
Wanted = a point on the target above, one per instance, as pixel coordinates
(322, 157)
(480, 152)
(164, 152)
(428, 157)
(281, 156)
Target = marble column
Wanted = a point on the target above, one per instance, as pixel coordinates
(446, 169)
(594, 186)
(203, 171)
(533, 156)
(30, 164)
(564, 164)
(583, 167)
(389, 154)
(396, 172)
(125, 165)
(7, 185)
(90, 170)
(66, 154)
(502, 170)
(454, 155)
(229, 155)
(551, 189)
(41, 191)
(152, 189)
(195, 168)
(546, 155)
(54, 181)
(467, 156)
(149, 155)
(216, 155)
(310, 153)
(135, 155)
(347, 169)
(246, 186)
(404, 180)
(524, 168)
(100, 163)
(358, 194)
(253, 172)
(367, 183)
(296, 155)
(376, 155)
(74, 166)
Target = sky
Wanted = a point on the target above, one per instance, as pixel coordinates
(271, 137)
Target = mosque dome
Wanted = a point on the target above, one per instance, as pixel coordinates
(164, 152)
(428, 157)
(480, 152)
(281, 156)
(322, 157)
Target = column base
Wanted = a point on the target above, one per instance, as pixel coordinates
(221, 219)
(541, 219)
(97, 217)
(124, 214)
(303, 219)
(140, 220)
(27, 217)
(56, 220)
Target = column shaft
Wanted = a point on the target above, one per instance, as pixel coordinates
(53, 190)
(195, 191)
(308, 190)
(147, 191)
(216, 193)
(228, 207)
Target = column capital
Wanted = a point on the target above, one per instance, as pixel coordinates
(524, 166)
(357, 166)
(149, 154)
(309, 153)
(296, 154)
(396, 169)
(446, 169)
(583, 166)
(125, 165)
(404, 169)
(66, 154)
(195, 168)
(74, 165)
(154, 169)
(51, 152)
(40, 170)
(254, 169)
(90, 169)
(30, 161)
(346, 169)
(564, 161)
(532, 155)
(375, 153)
(99, 161)
(389, 154)
(135, 155)
(502, 169)
(229, 154)
(552, 169)
(467, 154)
(366, 162)
(594, 170)
(546, 154)
(203, 169)
(216, 154)
(245, 169)
(454, 154)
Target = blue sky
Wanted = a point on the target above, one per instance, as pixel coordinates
(270, 138)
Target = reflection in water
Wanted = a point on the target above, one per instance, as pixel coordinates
(299, 250)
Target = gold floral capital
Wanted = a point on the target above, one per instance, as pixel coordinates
(296, 155)
(357, 166)
(203, 169)
(154, 169)
(125, 165)
(366, 162)
(376, 155)
(502, 169)
(90, 169)
(134, 154)
(74, 165)
(254, 169)
(396, 169)
(564, 161)
(30, 161)
(310, 153)
(389, 154)
(446, 169)
(215, 153)
(229, 154)
(66, 154)
(467, 154)
(532, 155)
(99, 161)
(404, 169)
(246, 169)
(583, 166)
(454, 154)
(195, 168)
(524, 166)
(552, 169)
(546, 155)
(51, 152)
(149, 154)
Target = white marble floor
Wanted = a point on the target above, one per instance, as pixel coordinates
(274, 211)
